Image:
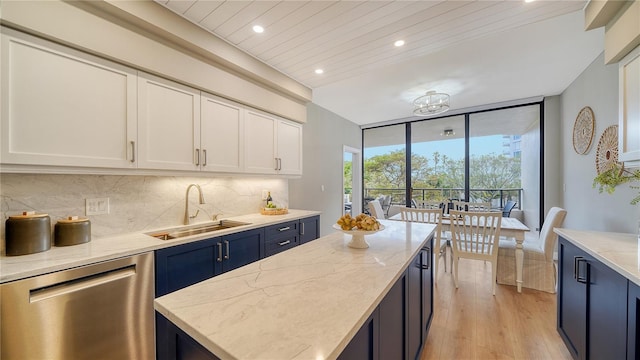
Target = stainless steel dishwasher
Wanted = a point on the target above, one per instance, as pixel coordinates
(98, 311)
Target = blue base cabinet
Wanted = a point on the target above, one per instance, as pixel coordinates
(309, 229)
(180, 266)
(592, 306)
(633, 333)
(239, 249)
(281, 237)
(398, 327)
(174, 344)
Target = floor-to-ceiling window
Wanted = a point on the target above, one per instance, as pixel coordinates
(437, 159)
(485, 156)
(384, 176)
(504, 160)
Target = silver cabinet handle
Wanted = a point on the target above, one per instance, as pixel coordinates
(197, 156)
(301, 228)
(284, 229)
(284, 243)
(226, 244)
(279, 163)
(133, 151)
(276, 164)
(579, 278)
(219, 252)
(204, 153)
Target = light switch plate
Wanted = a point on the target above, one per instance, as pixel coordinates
(97, 206)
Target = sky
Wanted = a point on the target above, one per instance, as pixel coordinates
(453, 148)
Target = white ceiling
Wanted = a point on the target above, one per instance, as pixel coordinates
(480, 52)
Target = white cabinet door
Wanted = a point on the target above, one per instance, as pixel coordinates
(63, 107)
(168, 125)
(260, 143)
(629, 110)
(289, 152)
(221, 133)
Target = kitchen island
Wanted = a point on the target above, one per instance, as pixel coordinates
(311, 301)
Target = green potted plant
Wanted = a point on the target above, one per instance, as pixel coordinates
(609, 179)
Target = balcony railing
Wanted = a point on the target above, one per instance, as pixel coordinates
(497, 197)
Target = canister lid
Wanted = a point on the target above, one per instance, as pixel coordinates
(27, 215)
(73, 219)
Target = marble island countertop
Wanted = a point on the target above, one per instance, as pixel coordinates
(112, 247)
(304, 303)
(617, 250)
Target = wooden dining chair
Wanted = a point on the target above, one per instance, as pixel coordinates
(428, 204)
(475, 235)
(471, 206)
(430, 216)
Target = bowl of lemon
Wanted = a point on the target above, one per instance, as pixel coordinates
(358, 227)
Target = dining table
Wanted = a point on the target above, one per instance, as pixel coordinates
(510, 228)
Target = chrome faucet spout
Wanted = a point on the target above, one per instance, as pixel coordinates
(188, 217)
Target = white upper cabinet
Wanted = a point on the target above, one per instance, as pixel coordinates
(222, 135)
(273, 146)
(629, 110)
(63, 107)
(289, 140)
(260, 143)
(168, 125)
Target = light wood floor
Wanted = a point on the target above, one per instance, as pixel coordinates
(471, 323)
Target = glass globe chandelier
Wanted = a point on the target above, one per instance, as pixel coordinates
(431, 103)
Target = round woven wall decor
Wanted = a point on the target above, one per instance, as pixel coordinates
(607, 152)
(583, 130)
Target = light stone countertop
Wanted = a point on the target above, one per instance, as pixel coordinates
(618, 251)
(304, 303)
(113, 247)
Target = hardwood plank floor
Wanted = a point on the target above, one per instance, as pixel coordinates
(471, 323)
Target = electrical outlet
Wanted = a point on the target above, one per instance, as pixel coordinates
(265, 193)
(97, 206)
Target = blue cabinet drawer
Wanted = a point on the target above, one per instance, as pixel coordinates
(279, 231)
(277, 245)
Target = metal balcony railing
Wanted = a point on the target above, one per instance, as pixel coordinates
(497, 197)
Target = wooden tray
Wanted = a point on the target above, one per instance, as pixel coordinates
(264, 211)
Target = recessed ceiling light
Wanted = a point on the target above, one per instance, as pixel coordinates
(399, 43)
(528, 1)
(319, 71)
(259, 29)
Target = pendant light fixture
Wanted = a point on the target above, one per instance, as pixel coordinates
(431, 103)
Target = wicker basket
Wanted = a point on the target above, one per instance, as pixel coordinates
(283, 211)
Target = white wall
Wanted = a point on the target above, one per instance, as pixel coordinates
(553, 175)
(596, 87)
(325, 133)
(530, 165)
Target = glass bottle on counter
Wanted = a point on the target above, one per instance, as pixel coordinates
(269, 199)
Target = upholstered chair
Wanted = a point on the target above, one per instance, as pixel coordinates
(538, 271)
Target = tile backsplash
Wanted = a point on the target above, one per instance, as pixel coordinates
(136, 203)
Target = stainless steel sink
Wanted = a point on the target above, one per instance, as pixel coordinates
(175, 233)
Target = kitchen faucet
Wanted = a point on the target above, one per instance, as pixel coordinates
(186, 203)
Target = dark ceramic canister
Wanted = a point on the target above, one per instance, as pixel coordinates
(27, 233)
(72, 231)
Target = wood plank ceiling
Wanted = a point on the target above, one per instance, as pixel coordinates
(350, 38)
